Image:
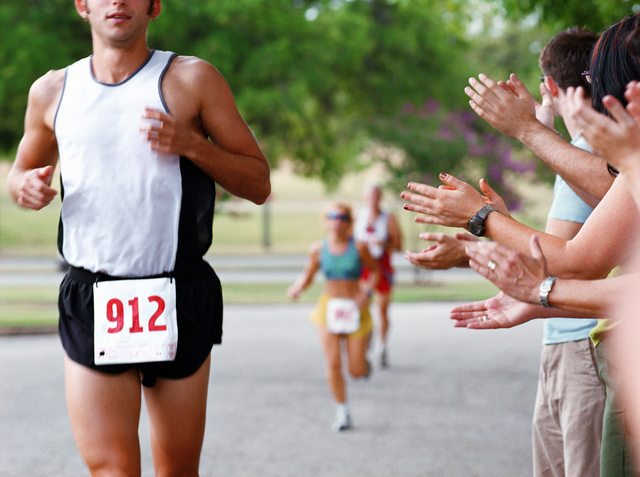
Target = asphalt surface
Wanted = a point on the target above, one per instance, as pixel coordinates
(454, 402)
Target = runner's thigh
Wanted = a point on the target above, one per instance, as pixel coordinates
(105, 410)
(177, 409)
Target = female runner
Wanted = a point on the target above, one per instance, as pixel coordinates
(342, 314)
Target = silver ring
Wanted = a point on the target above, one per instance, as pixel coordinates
(491, 265)
(484, 318)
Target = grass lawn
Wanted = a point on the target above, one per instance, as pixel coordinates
(294, 212)
(37, 306)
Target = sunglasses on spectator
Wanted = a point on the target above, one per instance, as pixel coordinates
(342, 217)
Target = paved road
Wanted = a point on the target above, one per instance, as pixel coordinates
(454, 403)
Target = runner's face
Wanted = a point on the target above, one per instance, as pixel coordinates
(373, 196)
(338, 221)
(119, 21)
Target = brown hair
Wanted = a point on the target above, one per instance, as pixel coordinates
(567, 55)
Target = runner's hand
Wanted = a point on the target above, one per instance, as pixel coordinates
(165, 135)
(34, 191)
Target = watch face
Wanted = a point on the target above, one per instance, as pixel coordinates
(476, 228)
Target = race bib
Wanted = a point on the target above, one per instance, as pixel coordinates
(135, 321)
(343, 316)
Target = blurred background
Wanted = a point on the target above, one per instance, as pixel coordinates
(339, 93)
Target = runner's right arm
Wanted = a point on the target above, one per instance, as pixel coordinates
(30, 176)
(310, 269)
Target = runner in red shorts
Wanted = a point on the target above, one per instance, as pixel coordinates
(379, 229)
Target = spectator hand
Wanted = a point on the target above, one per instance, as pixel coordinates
(452, 204)
(518, 275)
(448, 251)
(617, 139)
(509, 109)
(545, 112)
(632, 94)
(500, 311)
(493, 198)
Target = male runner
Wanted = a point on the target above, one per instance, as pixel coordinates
(142, 136)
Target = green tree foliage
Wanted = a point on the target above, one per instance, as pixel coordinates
(308, 75)
(35, 36)
(594, 14)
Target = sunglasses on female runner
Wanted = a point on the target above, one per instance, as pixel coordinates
(338, 216)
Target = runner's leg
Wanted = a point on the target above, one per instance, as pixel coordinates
(105, 411)
(383, 300)
(383, 306)
(331, 347)
(357, 350)
(177, 411)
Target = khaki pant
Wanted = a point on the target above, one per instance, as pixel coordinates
(567, 419)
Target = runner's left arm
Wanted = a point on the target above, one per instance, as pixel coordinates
(395, 234)
(207, 128)
(368, 286)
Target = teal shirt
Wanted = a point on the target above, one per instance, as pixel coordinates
(346, 266)
(567, 205)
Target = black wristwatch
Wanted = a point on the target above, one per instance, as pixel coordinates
(476, 223)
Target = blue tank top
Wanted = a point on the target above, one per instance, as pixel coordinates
(346, 266)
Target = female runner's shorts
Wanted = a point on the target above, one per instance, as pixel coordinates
(319, 317)
(199, 312)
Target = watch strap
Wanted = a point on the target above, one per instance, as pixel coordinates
(476, 223)
(485, 211)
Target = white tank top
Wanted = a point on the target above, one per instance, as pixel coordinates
(121, 200)
(373, 235)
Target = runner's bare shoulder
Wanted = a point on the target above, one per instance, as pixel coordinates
(44, 94)
(195, 74)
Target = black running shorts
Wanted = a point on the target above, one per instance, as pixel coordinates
(199, 312)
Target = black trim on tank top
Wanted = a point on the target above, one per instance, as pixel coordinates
(55, 117)
(161, 79)
(195, 229)
(140, 68)
(60, 239)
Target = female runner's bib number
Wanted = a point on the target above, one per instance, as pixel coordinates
(343, 316)
(135, 321)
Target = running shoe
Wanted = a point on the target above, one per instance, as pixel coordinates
(369, 370)
(384, 359)
(342, 423)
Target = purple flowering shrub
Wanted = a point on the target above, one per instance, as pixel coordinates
(435, 140)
